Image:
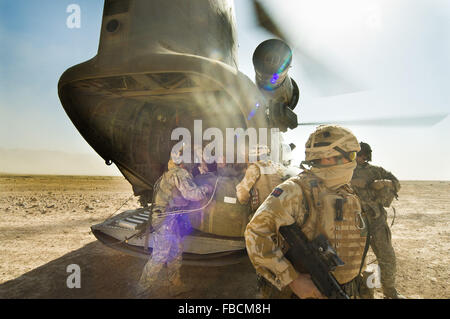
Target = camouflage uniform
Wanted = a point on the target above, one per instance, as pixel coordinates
(294, 201)
(176, 188)
(310, 200)
(259, 181)
(380, 240)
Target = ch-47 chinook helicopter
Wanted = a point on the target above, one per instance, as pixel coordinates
(162, 64)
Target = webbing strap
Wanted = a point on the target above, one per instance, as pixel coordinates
(366, 248)
(305, 201)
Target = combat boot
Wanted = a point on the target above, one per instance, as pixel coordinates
(391, 293)
(149, 282)
(142, 290)
(177, 286)
(146, 287)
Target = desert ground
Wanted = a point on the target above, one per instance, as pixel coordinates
(45, 226)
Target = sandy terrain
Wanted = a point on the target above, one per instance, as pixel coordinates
(45, 226)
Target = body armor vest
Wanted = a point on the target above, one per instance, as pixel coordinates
(337, 215)
(269, 178)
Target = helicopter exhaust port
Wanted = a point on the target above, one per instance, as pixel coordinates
(272, 60)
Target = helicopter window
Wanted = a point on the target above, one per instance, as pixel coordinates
(113, 25)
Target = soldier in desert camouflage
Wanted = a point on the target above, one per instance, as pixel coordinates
(174, 191)
(309, 200)
(364, 182)
(260, 178)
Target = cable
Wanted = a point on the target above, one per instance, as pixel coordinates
(393, 219)
(180, 212)
(121, 206)
(155, 187)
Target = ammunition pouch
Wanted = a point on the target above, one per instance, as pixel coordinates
(177, 202)
(156, 219)
(357, 288)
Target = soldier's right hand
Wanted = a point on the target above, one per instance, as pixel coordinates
(207, 189)
(305, 288)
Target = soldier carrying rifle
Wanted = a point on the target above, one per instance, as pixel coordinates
(322, 204)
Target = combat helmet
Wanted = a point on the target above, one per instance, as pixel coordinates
(365, 150)
(176, 155)
(331, 140)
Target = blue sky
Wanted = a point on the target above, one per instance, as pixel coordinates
(37, 48)
(398, 51)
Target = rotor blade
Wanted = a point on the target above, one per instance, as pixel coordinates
(266, 22)
(425, 120)
(327, 81)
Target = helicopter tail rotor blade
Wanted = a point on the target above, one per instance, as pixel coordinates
(425, 120)
(326, 80)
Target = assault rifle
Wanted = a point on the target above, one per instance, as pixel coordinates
(317, 257)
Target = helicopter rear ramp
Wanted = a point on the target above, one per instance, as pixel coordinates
(120, 233)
